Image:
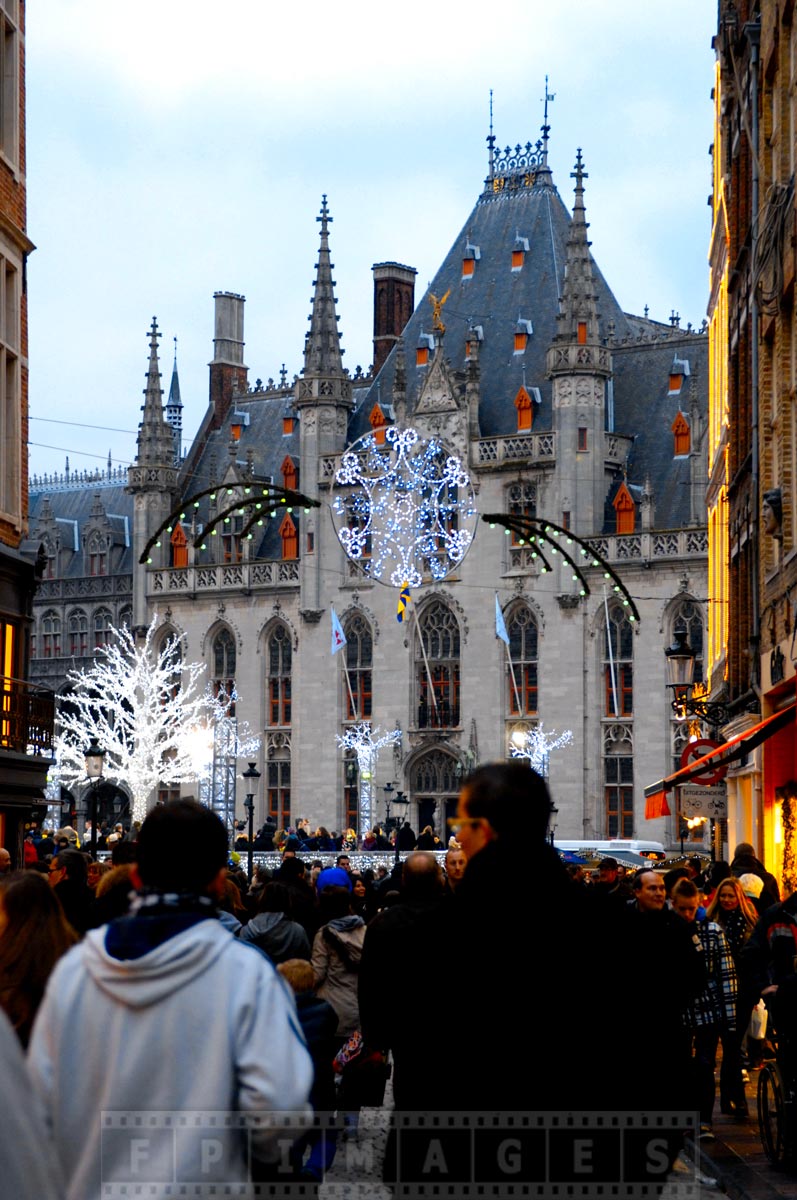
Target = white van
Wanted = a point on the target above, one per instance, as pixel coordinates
(606, 848)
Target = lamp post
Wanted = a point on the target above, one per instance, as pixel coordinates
(552, 823)
(403, 800)
(94, 756)
(680, 678)
(388, 790)
(251, 775)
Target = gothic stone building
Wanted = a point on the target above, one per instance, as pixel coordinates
(561, 405)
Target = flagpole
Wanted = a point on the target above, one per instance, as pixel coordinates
(428, 671)
(611, 654)
(348, 685)
(514, 680)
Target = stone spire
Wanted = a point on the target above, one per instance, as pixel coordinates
(322, 353)
(323, 383)
(174, 409)
(155, 443)
(577, 320)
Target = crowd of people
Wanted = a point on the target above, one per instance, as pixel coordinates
(304, 989)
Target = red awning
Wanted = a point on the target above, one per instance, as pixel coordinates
(656, 794)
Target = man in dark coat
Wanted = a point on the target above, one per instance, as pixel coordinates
(406, 837)
(746, 863)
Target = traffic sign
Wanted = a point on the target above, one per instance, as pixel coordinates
(703, 801)
(699, 748)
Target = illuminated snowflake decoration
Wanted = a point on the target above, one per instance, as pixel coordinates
(366, 745)
(408, 510)
(536, 746)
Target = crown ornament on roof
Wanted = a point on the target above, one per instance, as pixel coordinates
(519, 166)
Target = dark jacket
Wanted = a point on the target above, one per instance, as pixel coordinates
(277, 936)
(748, 864)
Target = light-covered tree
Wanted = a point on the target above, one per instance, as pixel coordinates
(147, 711)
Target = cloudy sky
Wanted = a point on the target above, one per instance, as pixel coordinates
(181, 147)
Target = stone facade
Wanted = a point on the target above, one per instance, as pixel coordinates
(561, 406)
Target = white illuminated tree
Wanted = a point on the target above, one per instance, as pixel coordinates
(535, 746)
(366, 745)
(148, 712)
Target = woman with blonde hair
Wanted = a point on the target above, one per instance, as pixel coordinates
(733, 911)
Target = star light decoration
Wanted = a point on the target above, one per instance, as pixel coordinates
(411, 510)
(366, 744)
(537, 745)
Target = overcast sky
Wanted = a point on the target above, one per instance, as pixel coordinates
(181, 147)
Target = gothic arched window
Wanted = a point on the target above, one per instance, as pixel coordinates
(523, 638)
(97, 554)
(102, 625)
(618, 664)
(359, 655)
(279, 676)
(78, 633)
(224, 662)
(51, 635)
(437, 667)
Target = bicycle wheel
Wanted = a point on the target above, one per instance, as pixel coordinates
(771, 1114)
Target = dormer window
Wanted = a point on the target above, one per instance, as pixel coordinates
(471, 257)
(97, 554)
(525, 414)
(523, 331)
(378, 422)
(238, 423)
(287, 425)
(475, 335)
(519, 251)
(290, 474)
(290, 538)
(625, 510)
(425, 344)
(678, 372)
(682, 434)
(581, 333)
(179, 547)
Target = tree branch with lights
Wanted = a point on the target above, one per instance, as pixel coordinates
(366, 745)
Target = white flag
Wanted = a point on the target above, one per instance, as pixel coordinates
(338, 636)
(500, 623)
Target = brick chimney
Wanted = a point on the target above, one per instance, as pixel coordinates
(228, 373)
(394, 302)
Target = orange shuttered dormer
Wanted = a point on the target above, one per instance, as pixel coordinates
(290, 538)
(682, 434)
(625, 510)
(378, 422)
(179, 547)
(290, 474)
(525, 412)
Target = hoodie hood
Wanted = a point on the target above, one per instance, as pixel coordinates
(141, 982)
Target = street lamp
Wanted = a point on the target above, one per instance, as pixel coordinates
(680, 678)
(93, 759)
(552, 823)
(251, 775)
(388, 790)
(401, 799)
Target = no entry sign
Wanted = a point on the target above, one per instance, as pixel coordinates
(699, 749)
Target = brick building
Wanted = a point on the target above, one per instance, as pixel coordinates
(753, 422)
(27, 715)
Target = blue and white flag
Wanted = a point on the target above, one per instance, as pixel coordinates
(500, 624)
(338, 636)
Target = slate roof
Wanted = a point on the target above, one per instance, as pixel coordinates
(642, 407)
(71, 505)
(493, 298)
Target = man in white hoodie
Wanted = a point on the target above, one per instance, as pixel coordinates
(194, 1032)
